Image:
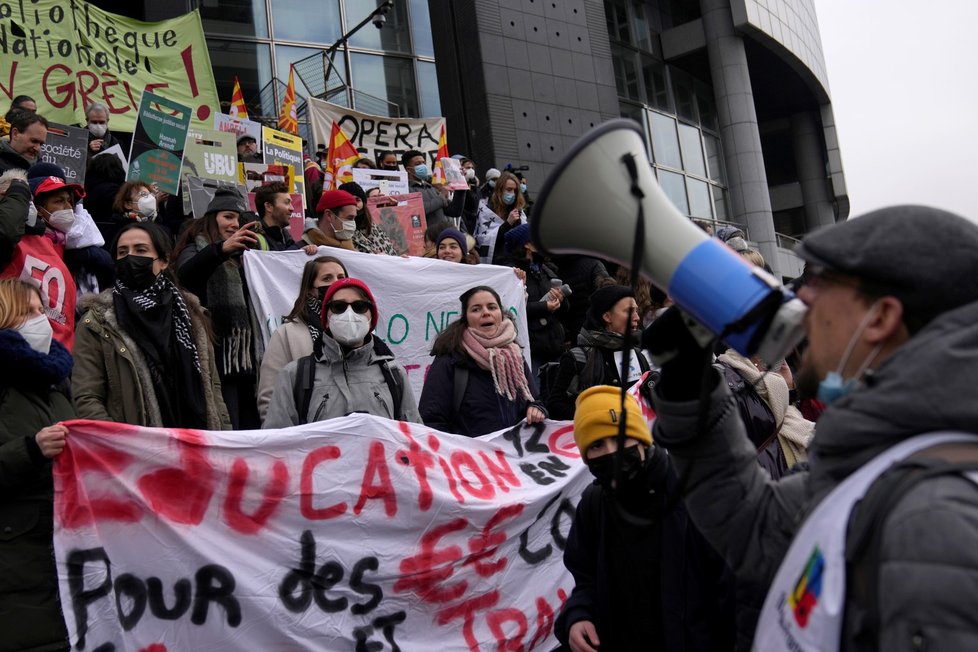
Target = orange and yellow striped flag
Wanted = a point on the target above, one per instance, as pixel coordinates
(339, 159)
(288, 121)
(238, 108)
(438, 174)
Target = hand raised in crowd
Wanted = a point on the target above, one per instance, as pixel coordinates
(443, 189)
(243, 238)
(51, 440)
(311, 250)
(520, 274)
(514, 216)
(159, 194)
(554, 298)
(535, 415)
(577, 640)
(96, 145)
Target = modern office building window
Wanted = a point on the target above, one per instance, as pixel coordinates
(390, 70)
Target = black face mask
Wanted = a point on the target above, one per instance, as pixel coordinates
(603, 468)
(136, 272)
(322, 293)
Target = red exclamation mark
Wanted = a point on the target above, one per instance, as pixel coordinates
(203, 111)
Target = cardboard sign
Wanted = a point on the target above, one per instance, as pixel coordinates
(209, 154)
(402, 218)
(67, 55)
(390, 182)
(253, 175)
(156, 154)
(239, 127)
(67, 147)
(285, 149)
(116, 151)
(202, 192)
(454, 176)
(354, 533)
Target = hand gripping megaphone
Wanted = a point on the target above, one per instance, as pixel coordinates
(602, 200)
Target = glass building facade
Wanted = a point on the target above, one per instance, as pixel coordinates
(391, 70)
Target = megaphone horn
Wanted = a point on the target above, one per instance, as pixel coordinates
(602, 199)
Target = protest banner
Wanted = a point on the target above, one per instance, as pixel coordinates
(454, 176)
(202, 192)
(372, 134)
(355, 533)
(209, 154)
(156, 154)
(297, 219)
(67, 147)
(402, 219)
(416, 297)
(285, 149)
(390, 182)
(67, 55)
(239, 127)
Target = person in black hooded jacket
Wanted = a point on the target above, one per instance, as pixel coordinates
(644, 578)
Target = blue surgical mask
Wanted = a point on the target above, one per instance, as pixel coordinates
(421, 171)
(509, 198)
(492, 183)
(523, 187)
(834, 386)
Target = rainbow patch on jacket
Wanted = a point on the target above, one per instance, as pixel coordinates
(808, 588)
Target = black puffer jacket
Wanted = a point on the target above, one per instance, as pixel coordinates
(33, 398)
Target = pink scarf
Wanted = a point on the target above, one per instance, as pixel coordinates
(500, 355)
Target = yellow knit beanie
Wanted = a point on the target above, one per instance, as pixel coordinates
(598, 413)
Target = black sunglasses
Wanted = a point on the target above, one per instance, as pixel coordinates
(359, 306)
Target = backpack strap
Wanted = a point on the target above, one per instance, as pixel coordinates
(305, 377)
(864, 539)
(459, 382)
(580, 360)
(394, 385)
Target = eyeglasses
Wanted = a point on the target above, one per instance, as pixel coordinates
(339, 307)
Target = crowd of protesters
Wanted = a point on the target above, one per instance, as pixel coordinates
(152, 324)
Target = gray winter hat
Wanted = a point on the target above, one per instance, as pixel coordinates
(926, 257)
(227, 199)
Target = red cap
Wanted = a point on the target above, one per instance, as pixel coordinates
(50, 184)
(335, 199)
(349, 283)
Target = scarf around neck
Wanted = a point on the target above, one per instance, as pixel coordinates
(231, 316)
(34, 371)
(500, 355)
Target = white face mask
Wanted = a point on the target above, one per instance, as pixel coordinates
(31, 214)
(98, 130)
(470, 174)
(349, 328)
(349, 228)
(147, 206)
(37, 331)
(61, 220)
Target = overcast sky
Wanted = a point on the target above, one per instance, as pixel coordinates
(903, 76)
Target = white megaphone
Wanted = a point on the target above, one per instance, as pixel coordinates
(602, 199)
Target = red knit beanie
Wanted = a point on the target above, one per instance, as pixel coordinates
(349, 283)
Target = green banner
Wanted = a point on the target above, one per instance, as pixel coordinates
(156, 154)
(68, 54)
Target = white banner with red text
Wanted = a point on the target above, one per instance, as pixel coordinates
(351, 534)
(416, 297)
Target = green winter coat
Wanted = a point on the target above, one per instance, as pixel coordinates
(30, 611)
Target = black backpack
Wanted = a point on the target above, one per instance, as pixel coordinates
(305, 378)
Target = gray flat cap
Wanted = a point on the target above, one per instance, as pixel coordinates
(926, 257)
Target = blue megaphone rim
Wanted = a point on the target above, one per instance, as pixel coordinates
(558, 171)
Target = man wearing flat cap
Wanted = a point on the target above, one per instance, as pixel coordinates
(874, 546)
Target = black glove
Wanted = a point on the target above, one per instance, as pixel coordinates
(683, 360)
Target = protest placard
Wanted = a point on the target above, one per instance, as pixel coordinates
(240, 127)
(454, 176)
(354, 533)
(285, 149)
(209, 154)
(390, 182)
(67, 147)
(116, 151)
(402, 218)
(253, 175)
(156, 154)
(202, 192)
(417, 298)
(67, 55)
(372, 134)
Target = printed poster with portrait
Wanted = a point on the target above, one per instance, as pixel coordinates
(402, 218)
